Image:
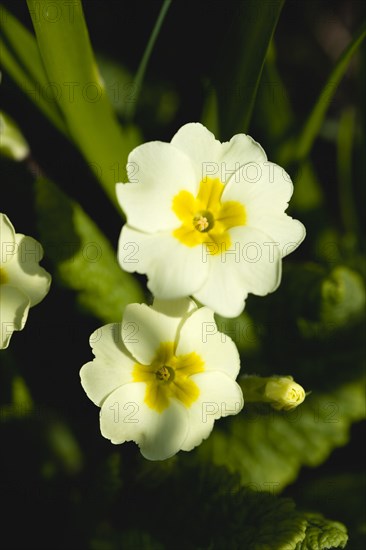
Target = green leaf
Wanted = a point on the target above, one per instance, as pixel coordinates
(24, 46)
(322, 533)
(64, 447)
(21, 395)
(274, 116)
(12, 143)
(346, 132)
(210, 117)
(68, 58)
(145, 58)
(268, 448)
(224, 515)
(308, 193)
(26, 84)
(340, 496)
(84, 259)
(21, 59)
(316, 117)
(343, 297)
(241, 64)
(273, 112)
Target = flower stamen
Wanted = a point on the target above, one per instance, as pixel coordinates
(164, 373)
(200, 223)
(203, 221)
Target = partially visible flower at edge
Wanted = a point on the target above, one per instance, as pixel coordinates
(23, 283)
(207, 219)
(161, 377)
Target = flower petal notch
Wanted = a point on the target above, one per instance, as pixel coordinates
(23, 282)
(162, 377)
(207, 219)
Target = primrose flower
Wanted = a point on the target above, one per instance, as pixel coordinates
(206, 219)
(23, 283)
(162, 377)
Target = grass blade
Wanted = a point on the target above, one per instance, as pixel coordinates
(130, 107)
(316, 117)
(69, 62)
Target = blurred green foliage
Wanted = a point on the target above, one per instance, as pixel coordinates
(291, 75)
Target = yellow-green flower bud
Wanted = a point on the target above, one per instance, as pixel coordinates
(283, 393)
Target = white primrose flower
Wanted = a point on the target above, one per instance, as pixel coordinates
(206, 219)
(162, 377)
(23, 283)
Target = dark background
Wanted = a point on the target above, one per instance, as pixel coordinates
(47, 504)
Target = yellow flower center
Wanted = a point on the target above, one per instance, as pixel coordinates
(3, 276)
(168, 376)
(164, 373)
(205, 219)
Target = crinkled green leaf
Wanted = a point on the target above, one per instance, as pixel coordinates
(322, 533)
(223, 514)
(83, 257)
(340, 496)
(268, 448)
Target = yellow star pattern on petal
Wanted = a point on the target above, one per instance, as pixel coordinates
(168, 376)
(205, 219)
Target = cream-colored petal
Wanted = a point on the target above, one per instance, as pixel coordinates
(219, 396)
(262, 187)
(173, 269)
(125, 417)
(14, 307)
(251, 265)
(200, 145)
(200, 334)
(161, 172)
(241, 150)
(112, 366)
(24, 271)
(7, 240)
(143, 330)
(214, 159)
